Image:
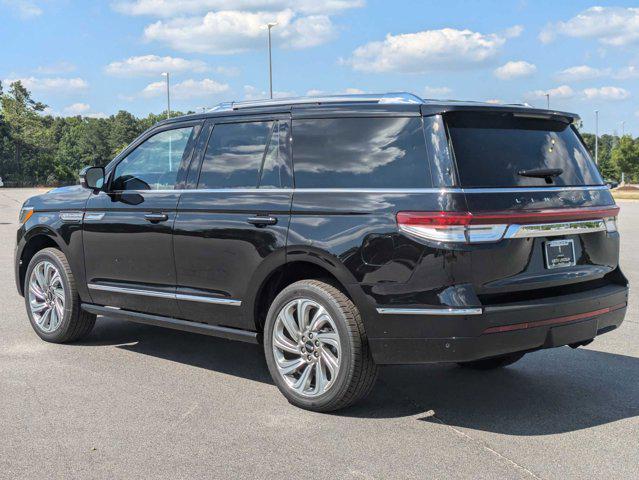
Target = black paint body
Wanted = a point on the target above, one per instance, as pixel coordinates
(206, 248)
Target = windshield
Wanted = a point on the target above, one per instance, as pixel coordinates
(504, 150)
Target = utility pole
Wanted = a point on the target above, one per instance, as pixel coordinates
(168, 94)
(548, 101)
(270, 59)
(597, 137)
(623, 128)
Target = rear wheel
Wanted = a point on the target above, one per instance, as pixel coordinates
(495, 362)
(52, 301)
(316, 347)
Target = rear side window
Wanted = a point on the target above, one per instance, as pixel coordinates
(495, 150)
(360, 153)
(234, 155)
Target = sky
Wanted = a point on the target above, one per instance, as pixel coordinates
(97, 57)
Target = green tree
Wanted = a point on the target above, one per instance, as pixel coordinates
(607, 167)
(625, 155)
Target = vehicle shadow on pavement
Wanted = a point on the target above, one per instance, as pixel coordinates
(547, 392)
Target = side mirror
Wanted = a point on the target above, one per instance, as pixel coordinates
(92, 177)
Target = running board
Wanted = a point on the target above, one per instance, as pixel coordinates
(174, 323)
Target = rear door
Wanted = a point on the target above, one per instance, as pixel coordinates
(232, 226)
(128, 243)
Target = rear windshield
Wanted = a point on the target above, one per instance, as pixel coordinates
(502, 150)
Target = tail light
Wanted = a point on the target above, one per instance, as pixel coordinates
(467, 227)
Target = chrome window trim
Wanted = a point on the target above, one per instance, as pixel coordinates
(173, 296)
(430, 311)
(441, 190)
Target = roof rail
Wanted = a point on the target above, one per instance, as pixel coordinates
(386, 98)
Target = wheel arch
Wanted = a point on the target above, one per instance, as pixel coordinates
(300, 266)
(36, 240)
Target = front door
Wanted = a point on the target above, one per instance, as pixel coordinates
(128, 228)
(231, 229)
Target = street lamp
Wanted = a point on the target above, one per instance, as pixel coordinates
(548, 101)
(597, 137)
(270, 59)
(168, 95)
(623, 128)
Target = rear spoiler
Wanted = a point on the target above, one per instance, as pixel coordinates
(428, 109)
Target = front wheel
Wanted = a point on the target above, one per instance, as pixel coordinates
(316, 347)
(52, 301)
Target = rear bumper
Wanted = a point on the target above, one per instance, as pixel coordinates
(500, 329)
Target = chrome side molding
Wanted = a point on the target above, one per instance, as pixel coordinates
(430, 311)
(169, 295)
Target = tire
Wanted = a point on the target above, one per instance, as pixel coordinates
(67, 322)
(339, 335)
(492, 363)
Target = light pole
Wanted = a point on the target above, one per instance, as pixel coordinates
(597, 137)
(168, 95)
(623, 128)
(270, 59)
(548, 101)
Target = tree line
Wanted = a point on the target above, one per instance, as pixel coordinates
(41, 149)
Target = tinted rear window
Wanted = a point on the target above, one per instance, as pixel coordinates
(360, 153)
(492, 149)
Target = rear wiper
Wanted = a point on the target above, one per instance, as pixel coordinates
(546, 173)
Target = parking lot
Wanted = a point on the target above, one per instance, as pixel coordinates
(135, 401)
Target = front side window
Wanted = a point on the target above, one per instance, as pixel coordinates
(234, 155)
(154, 164)
(382, 152)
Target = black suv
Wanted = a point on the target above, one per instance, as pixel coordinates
(341, 233)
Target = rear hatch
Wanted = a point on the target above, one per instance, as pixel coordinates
(540, 220)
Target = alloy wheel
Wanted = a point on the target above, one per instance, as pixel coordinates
(46, 296)
(306, 347)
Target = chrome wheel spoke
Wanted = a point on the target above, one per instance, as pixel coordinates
(301, 384)
(289, 366)
(329, 338)
(289, 323)
(59, 293)
(36, 290)
(37, 307)
(303, 311)
(283, 343)
(331, 362)
(320, 377)
(320, 318)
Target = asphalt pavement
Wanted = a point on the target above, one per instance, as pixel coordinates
(135, 401)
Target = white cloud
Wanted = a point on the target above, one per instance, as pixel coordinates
(445, 49)
(514, 31)
(432, 92)
(187, 89)
(606, 93)
(581, 72)
(230, 32)
(228, 71)
(561, 92)
(53, 85)
(77, 109)
(253, 93)
(23, 8)
(627, 73)
(56, 68)
(616, 26)
(314, 92)
(518, 69)
(172, 8)
(146, 65)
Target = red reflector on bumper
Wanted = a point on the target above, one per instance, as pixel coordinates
(553, 321)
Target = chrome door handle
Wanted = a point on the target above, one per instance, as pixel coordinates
(262, 221)
(156, 217)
